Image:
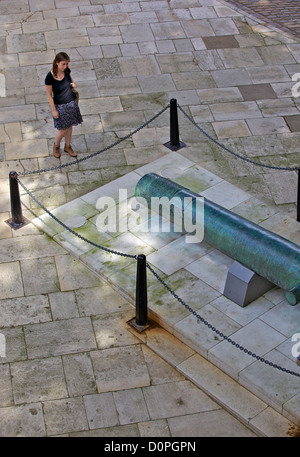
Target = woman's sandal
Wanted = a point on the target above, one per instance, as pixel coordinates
(70, 151)
(56, 151)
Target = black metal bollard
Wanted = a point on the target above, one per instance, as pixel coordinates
(298, 197)
(174, 144)
(140, 322)
(17, 220)
(141, 299)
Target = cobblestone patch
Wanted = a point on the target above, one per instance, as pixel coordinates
(284, 14)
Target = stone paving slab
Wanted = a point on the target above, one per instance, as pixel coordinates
(194, 271)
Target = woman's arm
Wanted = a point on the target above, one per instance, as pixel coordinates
(72, 83)
(51, 102)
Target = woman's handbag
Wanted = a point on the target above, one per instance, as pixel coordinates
(76, 93)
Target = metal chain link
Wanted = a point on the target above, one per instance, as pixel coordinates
(215, 330)
(131, 256)
(57, 167)
(273, 167)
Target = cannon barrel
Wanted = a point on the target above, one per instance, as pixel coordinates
(269, 255)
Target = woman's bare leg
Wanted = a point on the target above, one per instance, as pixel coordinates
(68, 136)
(68, 147)
(59, 136)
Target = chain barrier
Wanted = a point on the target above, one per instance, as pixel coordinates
(57, 167)
(231, 152)
(111, 251)
(180, 300)
(218, 332)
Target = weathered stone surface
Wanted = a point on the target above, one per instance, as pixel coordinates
(26, 149)
(26, 43)
(61, 337)
(22, 421)
(38, 380)
(65, 416)
(11, 283)
(109, 364)
(24, 310)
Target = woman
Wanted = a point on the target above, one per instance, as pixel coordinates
(62, 100)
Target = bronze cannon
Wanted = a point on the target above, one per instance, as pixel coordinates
(267, 254)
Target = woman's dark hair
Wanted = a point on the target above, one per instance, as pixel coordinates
(61, 56)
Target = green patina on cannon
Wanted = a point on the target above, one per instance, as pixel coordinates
(269, 255)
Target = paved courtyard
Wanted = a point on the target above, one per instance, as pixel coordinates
(72, 365)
